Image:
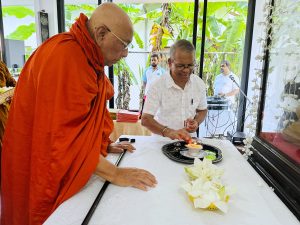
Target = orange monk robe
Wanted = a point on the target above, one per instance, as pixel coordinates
(58, 125)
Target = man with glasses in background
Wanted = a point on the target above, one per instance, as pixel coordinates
(176, 103)
(226, 83)
(222, 118)
(58, 128)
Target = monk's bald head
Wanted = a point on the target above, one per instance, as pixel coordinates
(112, 31)
(112, 16)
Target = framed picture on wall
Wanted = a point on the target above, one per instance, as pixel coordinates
(44, 25)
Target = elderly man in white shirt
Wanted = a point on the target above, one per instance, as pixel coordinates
(176, 103)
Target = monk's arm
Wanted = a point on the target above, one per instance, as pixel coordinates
(134, 177)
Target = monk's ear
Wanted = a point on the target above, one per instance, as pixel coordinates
(101, 31)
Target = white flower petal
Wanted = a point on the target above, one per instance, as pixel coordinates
(222, 206)
(201, 203)
(187, 187)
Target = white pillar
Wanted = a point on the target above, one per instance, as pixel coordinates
(50, 7)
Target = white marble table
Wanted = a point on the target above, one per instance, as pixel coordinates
(254, 203)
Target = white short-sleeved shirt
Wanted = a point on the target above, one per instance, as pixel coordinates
(171, 105)
(224, 84)
(151, 76)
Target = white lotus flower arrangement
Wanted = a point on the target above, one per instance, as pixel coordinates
(205, 188)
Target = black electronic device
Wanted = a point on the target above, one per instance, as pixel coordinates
(217, 103)
(123, 139)
(236, 137)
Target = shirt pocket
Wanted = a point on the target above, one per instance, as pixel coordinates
(192, 106)
(171, 102)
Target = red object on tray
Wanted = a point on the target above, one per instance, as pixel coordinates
(127, 116)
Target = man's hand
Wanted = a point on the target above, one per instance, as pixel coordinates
(120, 147)
(134, 177)
(191, 125)
(180, 134)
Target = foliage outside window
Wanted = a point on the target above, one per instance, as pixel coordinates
(19, 24)
(225, 33)
(72, 12)
(224, 38)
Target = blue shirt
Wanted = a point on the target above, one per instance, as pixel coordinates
(151, 75)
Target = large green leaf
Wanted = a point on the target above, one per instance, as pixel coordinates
(137, 19)
(132, 8)
(23, 32)
(17, 11)
(233, 34)
(89, 8)
(152, 7)
(138, 40)
(214, 26)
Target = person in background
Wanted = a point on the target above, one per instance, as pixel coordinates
(152, 73)
(226, 83)
(57, 133)
(176, 102)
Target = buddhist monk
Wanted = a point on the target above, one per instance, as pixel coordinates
(57, 133)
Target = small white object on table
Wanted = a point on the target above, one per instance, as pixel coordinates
(254, 203)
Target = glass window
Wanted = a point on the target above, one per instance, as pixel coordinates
(157, 26)
(73, 8)
(19, 32)
(224, 40)
(281, 112)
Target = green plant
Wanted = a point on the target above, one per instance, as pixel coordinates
(22, 32)
(17, 11)
(225, 31)
(72, 12)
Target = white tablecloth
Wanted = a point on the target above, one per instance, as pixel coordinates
(254, 203)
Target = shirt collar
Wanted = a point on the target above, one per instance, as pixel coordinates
(170, 82)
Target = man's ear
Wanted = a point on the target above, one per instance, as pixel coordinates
(101, 31)
(169, 62)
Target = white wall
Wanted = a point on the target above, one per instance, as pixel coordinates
(50, 7)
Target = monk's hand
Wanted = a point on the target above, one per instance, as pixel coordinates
(119, 147)
(180, 134)
(134, 177)
(191, 125)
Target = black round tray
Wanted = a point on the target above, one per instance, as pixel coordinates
(172, 151)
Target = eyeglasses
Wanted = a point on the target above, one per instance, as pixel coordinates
(183, 66)
(126, 45)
